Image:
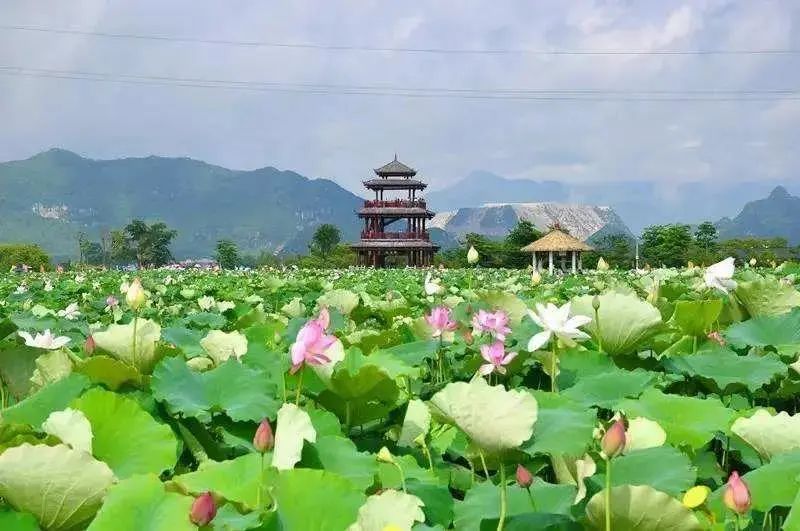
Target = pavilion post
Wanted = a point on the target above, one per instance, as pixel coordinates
(573, 261)
(550, 262)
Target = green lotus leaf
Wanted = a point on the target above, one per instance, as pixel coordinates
(63, 488)
(54, 397)
(17, 363)
(769, 434)
(641, 508)
(664, 468)
(607, 389)
(767, 296)
(570, 470)
(339, 455)
(294, 428)
(563, 426)
(236, 480)
(51, 367)
(438, 501)
(117, 340)
(220, 346)
(126, 437)
(492, 417)
(140, 502)
(359, 391)
(482, 502)
(643, 433)
(315, 500)
(240, 392)
(389, 508)
(687, 420)
(184, 339)
(344, 301)
(417, 422)
(626, 321)
(696, 318)
(775, 330)
(71, 427)
(109, 371)
(11, 520)
(727, 369)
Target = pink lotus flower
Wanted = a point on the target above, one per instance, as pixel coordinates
(524, 477)
(736, 495)
(496, 323)
(614, 439)
(495, 355)
(441, 321)
(203, 510)
(312, 343)
(264, 440)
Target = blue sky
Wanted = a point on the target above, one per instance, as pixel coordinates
(343, 136)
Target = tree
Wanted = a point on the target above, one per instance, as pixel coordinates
(147, 244)
(91, 252)
(19, 254)
(227, 254)
(616, 250)
(667, 245)
(326, 238)
(706, 236)
(521, 235)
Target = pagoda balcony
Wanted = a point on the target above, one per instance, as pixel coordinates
(374, 235)
(395, 203)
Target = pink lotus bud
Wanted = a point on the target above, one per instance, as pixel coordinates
(203, 510)
(264, 440)
(736, 495)
(89, 345)
(614, 439)
(716, 337)
(524, 478)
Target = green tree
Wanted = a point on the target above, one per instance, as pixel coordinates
(706, 236)
(147, 244)
(21, 253)
(523, 233)
(666, 244)
(616, 250)
(227, 254)
(764, 250)
(325, 239)
(91, 252)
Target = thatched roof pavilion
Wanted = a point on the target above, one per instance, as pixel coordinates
(558, 245)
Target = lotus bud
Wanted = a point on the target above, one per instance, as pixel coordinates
(602, 265)
(736, 495)
(264, 440)
(524, 477)
(536, 277)
(89, 345)
(203, 510)
(753, 262)
(472, 256)
(716, 337)
(385, 456)
(596, 303)
(614, 439)
(135, 295)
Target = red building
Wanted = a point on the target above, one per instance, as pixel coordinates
(395, 231)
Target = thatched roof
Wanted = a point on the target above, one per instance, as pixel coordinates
(557, 240)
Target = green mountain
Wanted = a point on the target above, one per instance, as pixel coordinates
(776, 216)
(52, 196)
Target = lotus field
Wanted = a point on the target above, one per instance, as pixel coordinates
(385, 400)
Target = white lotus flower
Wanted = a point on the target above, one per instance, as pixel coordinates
(205, 303)
(70, 312)
(473, 256)
(556, 322)
(48, 286)
(79, 278)
(720, 275)
(22, 288)
(46, 340)
(432, 285)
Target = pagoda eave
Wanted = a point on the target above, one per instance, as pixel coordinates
(393, 212)
(395, 184)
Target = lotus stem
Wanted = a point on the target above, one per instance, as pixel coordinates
(299, 387)
(530, 497)
(260, 482)
(483, 463)
(503, 501)
(402, 476)
(608, 495)
(133, 346)
(553, 359)
(597, 327)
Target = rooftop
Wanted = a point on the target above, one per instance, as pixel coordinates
(395, 168)
(557, 240)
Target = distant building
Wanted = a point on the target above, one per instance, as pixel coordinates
(558, 250)
(410, 245)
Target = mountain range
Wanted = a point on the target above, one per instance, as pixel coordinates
(51, 197)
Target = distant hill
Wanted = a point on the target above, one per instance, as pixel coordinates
(496, 220)
(776, 216)
(48, 198)
(639, 203)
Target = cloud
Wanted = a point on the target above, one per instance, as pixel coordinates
(343, 136)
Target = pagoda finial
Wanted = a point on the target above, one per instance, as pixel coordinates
(395, 156)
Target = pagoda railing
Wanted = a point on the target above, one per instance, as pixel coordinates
(395, 203)
(375, 235)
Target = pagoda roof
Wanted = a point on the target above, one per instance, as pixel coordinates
(557, 240)
(393, 211)
(395, 184)
(397, 168)
(394, 244)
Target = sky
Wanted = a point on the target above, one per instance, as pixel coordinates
(303, 124)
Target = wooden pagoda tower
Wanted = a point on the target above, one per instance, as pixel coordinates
(396, 203)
